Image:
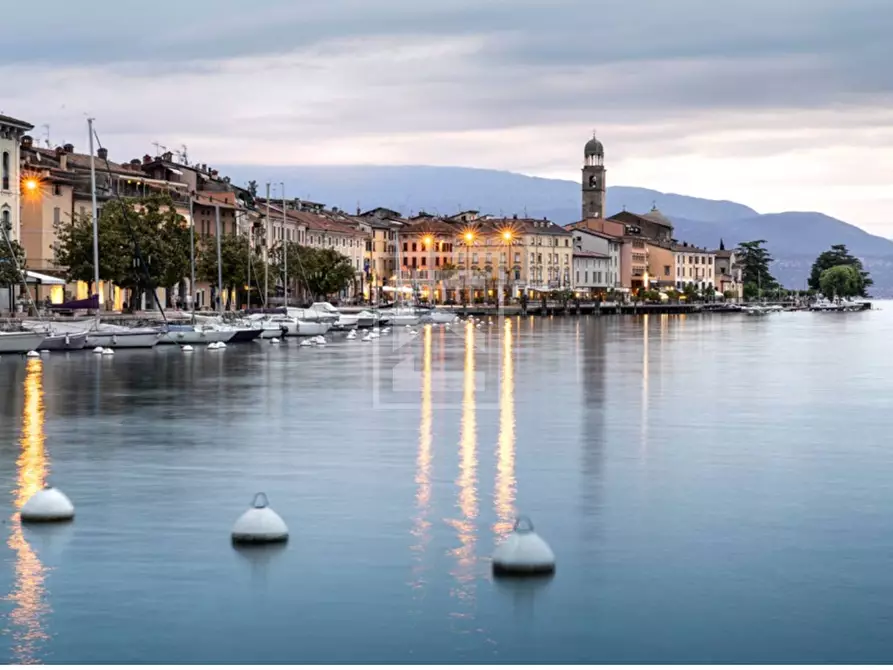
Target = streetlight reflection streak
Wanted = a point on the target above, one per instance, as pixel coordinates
(505, 462)
(422, 527)
(29, 592)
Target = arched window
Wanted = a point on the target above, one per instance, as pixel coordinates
(5, 171)
(5, 219)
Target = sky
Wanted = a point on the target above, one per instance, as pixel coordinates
(778, 105)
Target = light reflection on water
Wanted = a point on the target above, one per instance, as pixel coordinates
(29, 597)
(505, 463)
(466, 482)
(421, 530)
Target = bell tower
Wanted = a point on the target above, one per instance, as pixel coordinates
(593, 179)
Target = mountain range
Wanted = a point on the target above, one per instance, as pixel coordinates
(793, 238)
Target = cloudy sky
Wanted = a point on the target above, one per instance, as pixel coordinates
(779, 104)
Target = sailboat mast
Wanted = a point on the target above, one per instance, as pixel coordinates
(192, 258)
(219, 263)
(267, 251)
(285, 245)
(95, 221)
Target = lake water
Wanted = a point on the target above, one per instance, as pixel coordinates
(716, 489)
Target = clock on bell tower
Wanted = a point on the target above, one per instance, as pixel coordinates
(593, 179)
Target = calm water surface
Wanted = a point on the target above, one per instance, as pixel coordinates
(716, 489)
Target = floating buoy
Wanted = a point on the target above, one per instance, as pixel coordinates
(306, 343)
(32, 354)
(367, 337)
(108, 352)
(221, 345)
(260, 524)
(352, 335)
(97, 350)
(319, 340)
(275, 340)
(523, 552)
(216, 346)
(187, 349)
(47, 505)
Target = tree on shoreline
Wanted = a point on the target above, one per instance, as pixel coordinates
(9, 271)
(837, 256)
(754, 261)
(234, 250)
(841, 281)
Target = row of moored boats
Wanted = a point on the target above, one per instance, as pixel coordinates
(203, 329)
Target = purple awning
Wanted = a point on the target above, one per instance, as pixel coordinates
(87, 303)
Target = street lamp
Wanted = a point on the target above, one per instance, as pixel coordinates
(428, 241)
(508, 237)
(468, 237)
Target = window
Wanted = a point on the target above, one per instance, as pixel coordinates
(461, 258)
(424, 261)
(489, 258)
(599, 280)
(57, 190)
(5, 170)
(413, 261)
(474, 258)
(666, 270)
(578, 276)
(689, 260)
(57, 216)
(567, 242)
(5, 220)
(517, 258)
(586, 274)
(414, 246)
(502, 258)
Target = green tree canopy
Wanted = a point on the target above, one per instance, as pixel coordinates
(322, 272)
(841, 281)
(12, 258)
(234, 250)
(754, 260)
(836, 256)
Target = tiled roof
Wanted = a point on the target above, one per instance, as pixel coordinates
(10, 121)
(589, 254)
(525, 226)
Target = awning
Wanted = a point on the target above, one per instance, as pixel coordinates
(37, 278)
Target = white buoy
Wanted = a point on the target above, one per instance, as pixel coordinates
(108, 352)
(306, 343)
(523, 552)
(47, 505)
(367, 337)
(320, 340)
(275, 340)
(260, 524)
(44, 351)
(97, 350)
(186, 349)
(221, 345)
(352, 335)
(32, 354)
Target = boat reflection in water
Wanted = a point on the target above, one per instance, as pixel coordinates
(27, 621)
(467, 502)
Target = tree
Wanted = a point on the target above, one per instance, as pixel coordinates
(322, 272)
(234, 250)
(690, 292)
(841, 281)
(73, 249)
(12, 258)
(837, 256)
(754, 262)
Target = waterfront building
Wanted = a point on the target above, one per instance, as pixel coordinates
(427, 256)
(694, 265)
(651, 226)
(727, 273)
(596, 261)
(11, 133)
(383, 227)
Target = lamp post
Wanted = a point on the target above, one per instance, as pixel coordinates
(428, 241)
(507, 237)
(468, 238)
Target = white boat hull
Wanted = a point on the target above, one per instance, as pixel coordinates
(312, 328)
(20, 343)
(139, 340)
(197, 337)
(403, 320)
(347, 321)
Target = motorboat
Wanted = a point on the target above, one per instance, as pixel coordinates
(436, 315)
(313, 327)
(318, 312)
(402, 316)
(20, 342)
(198, 334)
(757, 310)
(64, 342)
(125, 338)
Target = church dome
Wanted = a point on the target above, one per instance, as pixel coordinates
(594, 148)
(656, 216)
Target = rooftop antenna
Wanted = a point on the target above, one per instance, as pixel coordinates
(46, 128)
(158, 148)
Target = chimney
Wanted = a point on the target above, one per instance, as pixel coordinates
(103, 154)
(62, 158)
(167, 156)
(358, 211)
(514, 216)
(27, 141)
(69, 148)
(135, 163)
(147, 159)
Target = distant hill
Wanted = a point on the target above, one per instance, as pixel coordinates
(793, 238)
